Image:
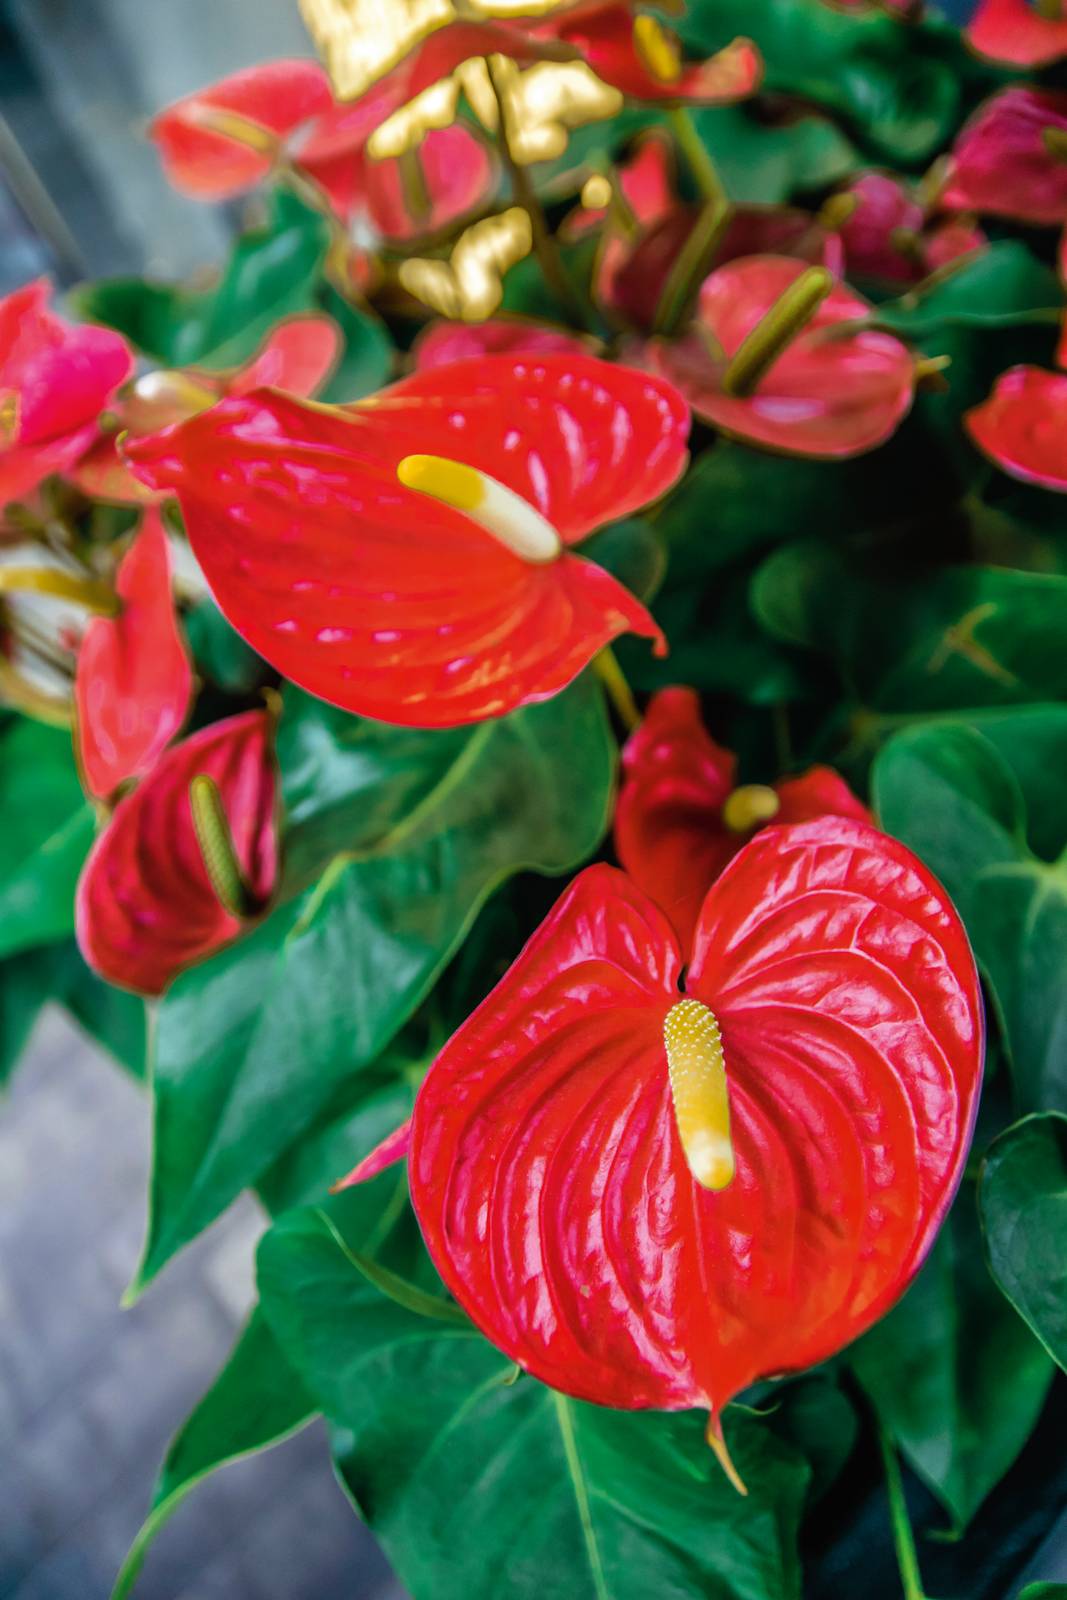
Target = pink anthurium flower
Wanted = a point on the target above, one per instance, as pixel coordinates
(680, 816)
(442, 343)
(1008, 160)
(780, 355)
(55, 380)
(409, 557)
(1023, 426)
(133, 681)
(147, 906)
(298, 355)
(1017, 33)
(228, 138)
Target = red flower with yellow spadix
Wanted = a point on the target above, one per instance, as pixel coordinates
(410, 557)
(681, 815)
(186, 859)
(651, 1198)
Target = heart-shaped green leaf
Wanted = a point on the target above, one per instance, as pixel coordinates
(1022, 1196)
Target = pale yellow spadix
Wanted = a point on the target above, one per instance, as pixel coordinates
(656, 49)
(499, 510)
(698, 1089)
(749, 807)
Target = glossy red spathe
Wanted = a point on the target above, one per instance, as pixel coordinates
(1016, 33)
(145, 907)
(133, 681)
(1001, 163)
(55, 380)
(235, 134)
(1022, 426)
(387, 601)
(670, 831)
(608, 37)
(835, 390)
(443, 343)
(297, 355)
(545, 1163)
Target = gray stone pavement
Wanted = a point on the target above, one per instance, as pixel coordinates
(90, 1394)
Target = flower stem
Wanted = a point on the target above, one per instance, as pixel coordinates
(618, 690)
(545, 247)
(697, 157)
(911, 1581)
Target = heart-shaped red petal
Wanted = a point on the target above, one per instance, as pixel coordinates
(546, 1166)
(133, 680)
(1001, 163)
(835, 391)
(387, 601)
(145, 905)
(1023, 426)
(1016, 33)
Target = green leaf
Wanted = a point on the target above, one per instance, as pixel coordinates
(25, 986)
(256, 1401)
(394, 839)
(1044, 1591)
(764, 163)
(57, 972)
(48, 828)
(273, 271)
(926, 641)
(949, 794)
(954, 1374)
(997, 286)
(818, 1419)
(479, 1485)
(632, 551)
(1022, 1197)
(368, 352)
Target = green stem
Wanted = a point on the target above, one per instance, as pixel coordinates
(87, 592)
(911, 1581)
(545, 247)
(697, 157)
(690, 268)
(217, 848)
(775, 330)
(618, 690)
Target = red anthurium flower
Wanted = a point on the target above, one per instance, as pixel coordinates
(764, 367)
(442, 343)
(227, 138)
(146, 907)
(680, 816)
(1017, 33)
(1005, 160)
(652, 1201)
(133, 681)
(298, 355)
(408, 557)
(1023, 426)
(636, 55)
(886, 237)
(55, 380)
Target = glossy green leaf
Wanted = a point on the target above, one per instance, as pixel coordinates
(114, 1019)
(272, 272)
(955, 1375)
(928, 641)
(1022, 1196)
(763, 163)
(394, 838)
(480, 1483)
(221, 655)
(948, 792)
(48, 828)
(256, 1401)
(366, 364)
(995, 287)
(633, 552)
(1044, 1591)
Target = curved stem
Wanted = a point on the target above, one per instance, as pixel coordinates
(611, 675)
(911, 1581)
(545, 248)
(697, 157)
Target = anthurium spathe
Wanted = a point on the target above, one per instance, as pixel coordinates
(1023, 426)
(1017, 33)
(147, 905)
(55, 380)
(680, 816)
(781, 355)
(282, 116)
(888, 238)
(443, 343)
(1008, 159)
(650, 1200)
(133, 681)
(409, 557)
(636, 54)
(297, 355)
